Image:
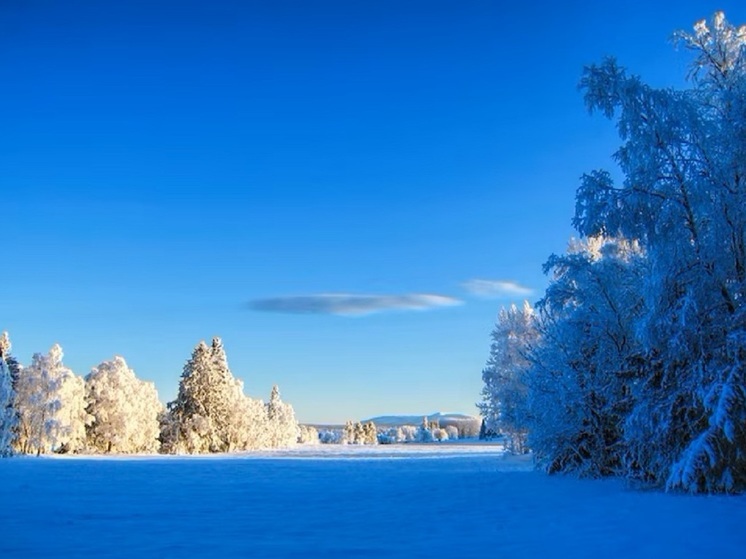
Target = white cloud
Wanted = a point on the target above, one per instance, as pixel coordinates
(496, 289)
(352, 304)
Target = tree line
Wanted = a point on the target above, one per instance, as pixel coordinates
(634, 361)
(46, 408)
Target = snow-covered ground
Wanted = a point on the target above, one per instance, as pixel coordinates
(388, 501)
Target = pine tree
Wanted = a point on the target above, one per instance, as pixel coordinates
(211, 412)
(201, 408)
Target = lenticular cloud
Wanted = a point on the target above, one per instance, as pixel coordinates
(496, 288)
(352, 304)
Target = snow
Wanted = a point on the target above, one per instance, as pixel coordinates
(347, 501)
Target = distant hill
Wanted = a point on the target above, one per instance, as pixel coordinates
(467, 425)
(460, 420)
(396, 420)
(443, 418)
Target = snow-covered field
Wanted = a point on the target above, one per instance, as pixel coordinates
(333, 501)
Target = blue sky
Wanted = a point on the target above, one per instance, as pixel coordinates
(171, 171)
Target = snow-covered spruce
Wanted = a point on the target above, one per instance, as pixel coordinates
(212, 414)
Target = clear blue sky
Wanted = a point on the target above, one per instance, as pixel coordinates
(170, 171)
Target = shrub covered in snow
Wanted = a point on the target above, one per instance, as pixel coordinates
(331, 436)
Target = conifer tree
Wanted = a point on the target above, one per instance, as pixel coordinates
(203, 407)
(212, 414)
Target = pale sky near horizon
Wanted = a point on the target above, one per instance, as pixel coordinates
(345, 192)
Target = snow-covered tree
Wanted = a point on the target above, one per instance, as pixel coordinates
(640, 366)
(332, 436)
(684, 200)
(359, 433)
(170, 432)
(503, 404)
(370, 433)
(424, 432)
(125, 410)
(12, 363)
(5, 344)
(440, 434)
(391, 435)
(281, 422)
(8, 416)
(348, 433)
(308, 434)
(203, 416)
(212, 414)
(50, 401)
(452, 432)
(249, 428)
(586, 360)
